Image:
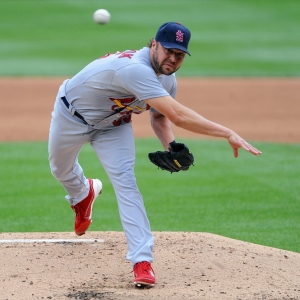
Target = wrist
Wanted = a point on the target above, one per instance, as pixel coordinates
(228, 134)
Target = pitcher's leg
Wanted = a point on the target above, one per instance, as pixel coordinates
(116, 151)
(64, 145)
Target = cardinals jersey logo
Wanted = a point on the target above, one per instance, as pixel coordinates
(125, 110)
(125, 103)
(179, 36)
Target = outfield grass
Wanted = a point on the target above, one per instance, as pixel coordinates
(229, 37)
(254, 199)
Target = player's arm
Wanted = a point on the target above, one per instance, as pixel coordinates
(162, 127)
(188, 119)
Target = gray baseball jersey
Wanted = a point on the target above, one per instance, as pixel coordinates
(116, 86)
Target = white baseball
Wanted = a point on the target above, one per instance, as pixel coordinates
(101, 16)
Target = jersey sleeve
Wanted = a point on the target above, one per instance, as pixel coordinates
(140, 81)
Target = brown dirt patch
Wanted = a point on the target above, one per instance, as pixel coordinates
(264, 109)
(187, 265)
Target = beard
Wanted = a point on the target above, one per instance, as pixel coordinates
(159, 67)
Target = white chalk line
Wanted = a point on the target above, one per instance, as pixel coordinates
(51, 241)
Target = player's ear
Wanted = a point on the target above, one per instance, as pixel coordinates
(154, 43)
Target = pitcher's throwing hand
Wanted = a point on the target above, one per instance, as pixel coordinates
(237, 142)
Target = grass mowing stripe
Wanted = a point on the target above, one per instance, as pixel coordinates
(254, 199)
(229, 38)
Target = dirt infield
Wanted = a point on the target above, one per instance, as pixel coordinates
(187, 265)
(265, 109)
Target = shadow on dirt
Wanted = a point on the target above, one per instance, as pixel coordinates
(88, 295)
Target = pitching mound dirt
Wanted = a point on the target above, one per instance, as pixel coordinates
(187, 266)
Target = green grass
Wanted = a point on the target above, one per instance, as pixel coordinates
(229, 37)
(254, 199)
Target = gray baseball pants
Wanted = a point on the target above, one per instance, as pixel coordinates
(115, 149)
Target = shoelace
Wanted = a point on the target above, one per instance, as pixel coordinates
(144, 267)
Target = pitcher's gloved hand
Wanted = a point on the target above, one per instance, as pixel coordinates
(178, 158)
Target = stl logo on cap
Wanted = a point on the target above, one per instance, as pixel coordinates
(179, 36)
(173, 35)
